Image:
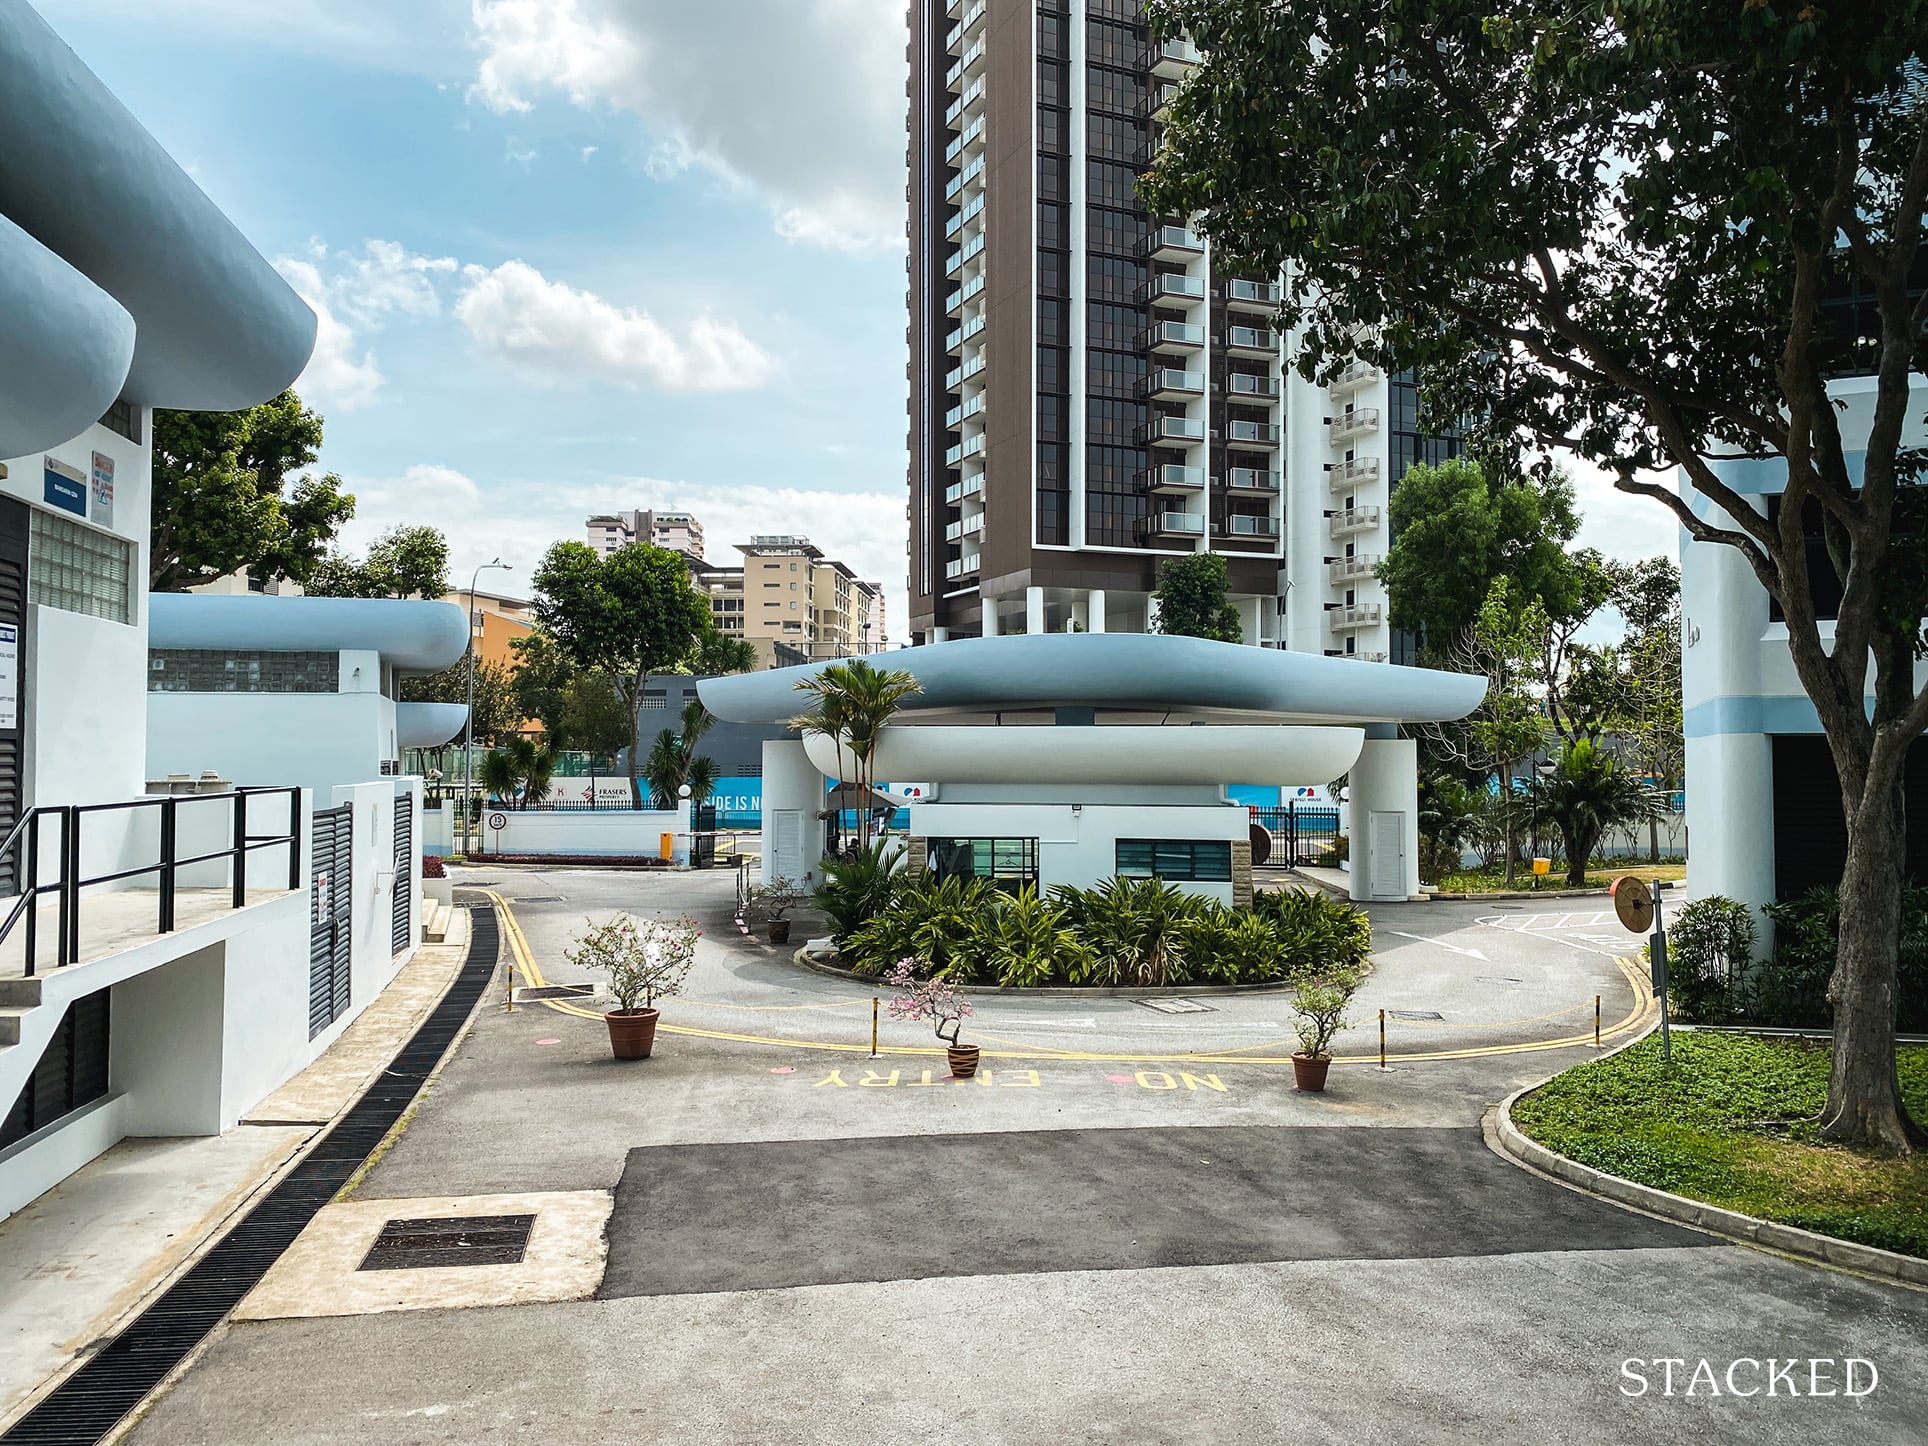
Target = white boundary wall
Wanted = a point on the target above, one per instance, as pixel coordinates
(625, 832)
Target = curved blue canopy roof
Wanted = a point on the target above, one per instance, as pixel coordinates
(415, 636)
(215, 328)
(1130, 672)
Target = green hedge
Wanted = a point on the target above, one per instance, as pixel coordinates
(1142, 932)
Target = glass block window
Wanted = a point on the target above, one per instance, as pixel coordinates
(1011, 862)
(79, 569)
(1200, 861)
(216, 670)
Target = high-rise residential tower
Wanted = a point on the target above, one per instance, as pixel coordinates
(1092, 392)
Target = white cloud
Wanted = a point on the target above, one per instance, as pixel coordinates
(357, 294)
(519, 522)
(335, 377)
(554, 331)
(588, 151)
(800, 101)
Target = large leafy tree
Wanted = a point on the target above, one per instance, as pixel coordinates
(226, 497)
(1614, 225)
(405, 561)
(627, 615)
(1192, 601)
(1458, 526)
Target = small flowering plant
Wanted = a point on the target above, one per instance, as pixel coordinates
(645, 958)
(935, 1000)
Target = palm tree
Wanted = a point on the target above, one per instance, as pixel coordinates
(854, 702)
(519, 775)
(1587, 794)
(1449, 813)
(673, 761)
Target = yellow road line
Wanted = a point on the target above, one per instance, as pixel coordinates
(1644, 1006)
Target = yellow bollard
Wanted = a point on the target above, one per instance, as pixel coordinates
(873, 1026)
(1596, 1021)
(1382, 1039)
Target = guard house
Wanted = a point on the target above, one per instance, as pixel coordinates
(1068, 758)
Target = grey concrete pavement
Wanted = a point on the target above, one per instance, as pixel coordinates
(811, 1246)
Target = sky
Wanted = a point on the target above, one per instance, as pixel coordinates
(572, 256)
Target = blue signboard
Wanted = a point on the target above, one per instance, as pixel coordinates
(738, 802)
(66, 487)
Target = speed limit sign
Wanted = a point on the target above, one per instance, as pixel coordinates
(498, 821)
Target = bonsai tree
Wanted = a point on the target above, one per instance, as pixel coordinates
(1321, 1007)
(777, 898)
(645, 959)
(935, 1000)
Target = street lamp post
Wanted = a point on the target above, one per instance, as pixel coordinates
(468, 723)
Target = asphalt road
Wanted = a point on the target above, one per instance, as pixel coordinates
(1104, 1243)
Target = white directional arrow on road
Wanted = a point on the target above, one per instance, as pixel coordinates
(1441, 943)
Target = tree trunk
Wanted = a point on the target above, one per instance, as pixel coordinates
(1653, 839)
(635, 744)
(1506, 813)
(1864, 1096)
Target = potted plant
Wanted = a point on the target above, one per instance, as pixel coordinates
(436, 883)
(937, 1001)
(1321, 1007)
(774, 901)
(645, 959)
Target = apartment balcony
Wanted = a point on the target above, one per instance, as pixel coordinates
(970, 134)
(1173, 290)
(1175, 336)
(1253, 295)
(1354, 618)
(1178, 524)
(966, 105)
(1252, 479)
(970, 447)
(967, 527)
(1238, 524)
(1348, 476)
(1254, 436)
(964, 254)
(1173, 480)
(1252, 341)
(964, 333)
(973, 208)
(1374, 656)
(1362, 567)
(964, 294)
(1183, 431)
(1174, 243)
(965, 410)
(1347, 425)
(972, 170)
(959, 567)
(967, 65)
(969, 487)
(1174, 59)
(1248, 384)
(958, 375)
(1158, 100)
(964, 29)
(1352, 521)
(1168, 384)
(1356, 375)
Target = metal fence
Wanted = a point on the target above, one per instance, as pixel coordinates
(1296, 835)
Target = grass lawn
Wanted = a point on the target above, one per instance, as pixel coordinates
(1730, 1121)
(1492, 881)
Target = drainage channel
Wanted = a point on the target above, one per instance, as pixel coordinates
(91, 1402)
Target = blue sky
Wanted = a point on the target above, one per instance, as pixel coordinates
(570, 255)
(579, 255)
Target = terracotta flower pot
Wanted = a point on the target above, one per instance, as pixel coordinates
(632, 1032)
(1309, 1073)
(779, 931)
(963, 1059)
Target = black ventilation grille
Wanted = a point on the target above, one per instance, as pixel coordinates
(88, 1404)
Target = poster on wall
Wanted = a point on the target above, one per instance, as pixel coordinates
(66, 486)
(9, 675)
(101, 500)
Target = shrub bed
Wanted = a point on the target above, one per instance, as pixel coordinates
(1732, 1121)
(1123, 932)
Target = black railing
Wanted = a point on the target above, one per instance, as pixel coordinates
(68, 880)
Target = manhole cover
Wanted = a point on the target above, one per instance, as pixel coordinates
(1414, 1014)
(538, 899)
(462, 1240)
(1177, 1006)
(555, 991)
